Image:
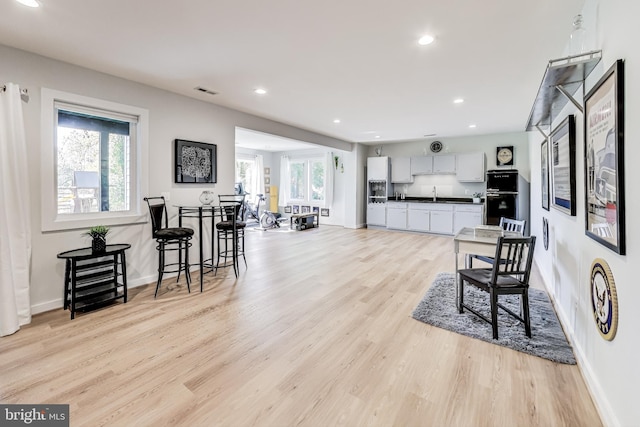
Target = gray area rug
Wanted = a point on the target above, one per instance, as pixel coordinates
(547, 340)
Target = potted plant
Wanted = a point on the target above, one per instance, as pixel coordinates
(98, 235)
(476, 197)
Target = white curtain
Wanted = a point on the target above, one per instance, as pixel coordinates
(15, 215)
(330, 170)
(285, 181)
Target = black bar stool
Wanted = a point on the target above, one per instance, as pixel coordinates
(169, 239)
(230, 232)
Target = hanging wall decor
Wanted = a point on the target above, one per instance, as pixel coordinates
(544, 176)
(563, 166)
(545, 233)
(195, 162)
(604, 299)
(604, 160)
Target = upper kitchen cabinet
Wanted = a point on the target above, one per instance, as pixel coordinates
(471, 167)
(422, 165)
(401, 170)
(378, 168)
(444, 164)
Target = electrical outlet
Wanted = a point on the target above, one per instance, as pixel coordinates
(166, 195)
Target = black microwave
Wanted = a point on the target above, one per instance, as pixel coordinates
(502, 181)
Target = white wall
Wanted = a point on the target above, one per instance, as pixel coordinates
(610, 368)
(171, 116)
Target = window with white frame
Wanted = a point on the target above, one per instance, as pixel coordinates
(246, 173)
(307, 180)
(92, 161)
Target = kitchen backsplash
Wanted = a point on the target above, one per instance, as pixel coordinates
(446, 186)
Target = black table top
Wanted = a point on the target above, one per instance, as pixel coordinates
(88, 252)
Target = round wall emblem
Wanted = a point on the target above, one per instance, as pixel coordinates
(545, 233)
(436, 146)
(604, 299)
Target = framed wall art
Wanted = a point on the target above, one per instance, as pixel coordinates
(544, 170)
(562, 142)
(287, 209)
(604, 160)
(195, 162)
(306, 209)
(296, 209)
(324, 212)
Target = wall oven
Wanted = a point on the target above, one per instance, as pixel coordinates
(502, 195)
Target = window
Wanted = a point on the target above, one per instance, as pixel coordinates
(307, 179)
(93, 155)
(246, 173)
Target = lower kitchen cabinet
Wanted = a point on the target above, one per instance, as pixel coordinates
(467, 216)
(418, 217)
(397, 216)
(377, 214)
(442, 220)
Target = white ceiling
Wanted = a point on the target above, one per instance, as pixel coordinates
(355, 60)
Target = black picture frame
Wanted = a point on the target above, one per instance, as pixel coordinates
(604, 160)
(544, 173)
(296, 209)
(195, 162)
(324, 212)
(306, 209)
(562, 144)
(287, 209)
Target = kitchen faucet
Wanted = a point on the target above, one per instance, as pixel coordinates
(435, 193)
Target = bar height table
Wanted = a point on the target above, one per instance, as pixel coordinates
(201, 212)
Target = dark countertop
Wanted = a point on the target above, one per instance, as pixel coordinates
(468, 200)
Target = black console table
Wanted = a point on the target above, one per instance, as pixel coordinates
(93, 279)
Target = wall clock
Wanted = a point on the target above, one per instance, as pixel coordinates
(604, 299)
(504, 156)
(436, 146)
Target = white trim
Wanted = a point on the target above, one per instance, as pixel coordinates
(51, 220)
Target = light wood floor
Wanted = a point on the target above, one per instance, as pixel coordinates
(316, 332)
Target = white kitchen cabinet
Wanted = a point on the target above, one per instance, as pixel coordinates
(377, 214)
(418, 216)
(441, 220)
(444, 164)
(471, 167)
(378, 168)
(397, 216)
(401, 170)
(421, 165)
(467, 216)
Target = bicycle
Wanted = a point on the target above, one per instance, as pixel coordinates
(266, 220)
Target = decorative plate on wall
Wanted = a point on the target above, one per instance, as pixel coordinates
(604, 299)
(504, 156)
(436, 146)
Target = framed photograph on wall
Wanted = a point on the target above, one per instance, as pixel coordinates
(195, 162)
(544, 172)
(287, 209)
(324, 212)
(306, 209)
(604, 160)
(562, 142)
(296, 209)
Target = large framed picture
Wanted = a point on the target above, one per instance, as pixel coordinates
(562, 142)
(544, 178)
(604, 160)
(195, 162)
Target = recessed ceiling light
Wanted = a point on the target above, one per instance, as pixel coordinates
(425, 40)
(458, 101)
(472, 126)
(336, 121)
(377, 136)
(260, 91)
(30, 3)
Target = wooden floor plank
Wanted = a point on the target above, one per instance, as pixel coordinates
(316, 331)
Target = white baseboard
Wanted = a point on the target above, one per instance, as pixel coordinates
(607, 416)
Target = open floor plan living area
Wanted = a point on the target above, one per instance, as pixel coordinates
(339, 213)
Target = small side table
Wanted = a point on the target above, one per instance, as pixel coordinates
(93, 279)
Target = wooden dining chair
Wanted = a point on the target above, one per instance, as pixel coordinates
(504, 278)
(507, 224)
